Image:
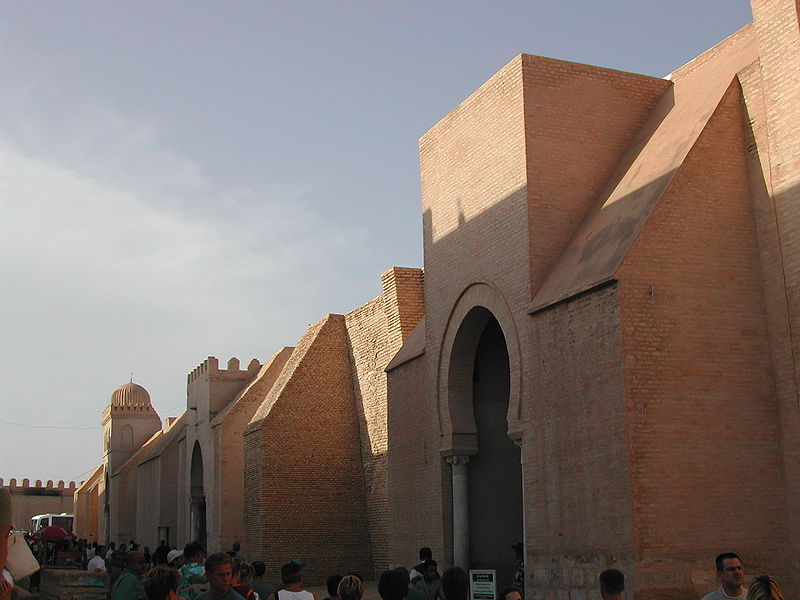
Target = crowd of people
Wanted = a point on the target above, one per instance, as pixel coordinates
(171, 574)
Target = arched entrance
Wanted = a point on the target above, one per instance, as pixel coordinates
(494, 472)
(197, 507)
(479, 391)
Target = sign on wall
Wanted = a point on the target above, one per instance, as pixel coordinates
(482, 584)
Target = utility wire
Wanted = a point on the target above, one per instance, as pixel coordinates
(44, 426)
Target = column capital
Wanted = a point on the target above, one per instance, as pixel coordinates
(458, 459)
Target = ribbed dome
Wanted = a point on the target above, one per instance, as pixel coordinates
(130, 394)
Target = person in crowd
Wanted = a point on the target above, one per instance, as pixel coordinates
(6, 524)
(415, 576)
(519, 569)
(510, 593)
(730, 573)
(350, 588)
(455, 584)
(333, 587)
(293, 587)
(413, 593)
(219, 571)
(240, 581)
(261, 587)
(193, 573)
(161, 583)
(612, 584)
(128, 586)
(112, 545)
(160, 553)
(430, 583)
(147, 556)
(764, 587)
(176, 559)
(393, 585)
(97, 562)
(116, 565)
(235, 549)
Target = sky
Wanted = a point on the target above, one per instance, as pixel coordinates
(189, 179)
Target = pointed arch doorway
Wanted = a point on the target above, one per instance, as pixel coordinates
(197, 499)
(479, 394)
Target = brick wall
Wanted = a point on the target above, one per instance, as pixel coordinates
(774, 111)
(701, 399)
(574, 451)
(375, 333)
(231, 488)
(417, 480)
(579, 121)
(303, 455)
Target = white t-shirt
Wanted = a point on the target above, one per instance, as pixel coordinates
(97, 563)
(288, 595)
(719, 594)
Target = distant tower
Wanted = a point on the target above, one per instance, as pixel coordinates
(128, 422)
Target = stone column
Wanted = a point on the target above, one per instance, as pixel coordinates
(460, 510)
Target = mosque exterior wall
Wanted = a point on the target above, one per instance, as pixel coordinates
(654, 329)
(635, 239)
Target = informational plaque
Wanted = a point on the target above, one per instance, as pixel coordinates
(482, 584)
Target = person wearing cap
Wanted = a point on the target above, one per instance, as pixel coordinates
(176, 559)
(293, 587)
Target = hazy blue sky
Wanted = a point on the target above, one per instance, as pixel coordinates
(184, 179)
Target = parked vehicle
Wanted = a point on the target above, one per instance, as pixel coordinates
(64, 520)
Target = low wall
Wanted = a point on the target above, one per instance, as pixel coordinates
(66, 584)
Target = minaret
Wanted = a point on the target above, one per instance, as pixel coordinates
(128, 422)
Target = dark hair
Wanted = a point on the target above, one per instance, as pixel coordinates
(259, 568)
(160, 581)
(507, 591)
(393, 585)
(290, 572)
(333, 585)
(217, 560)
(99, 550)
(425, 553)
(612, 581)
(193, 549)
(725, 555)
(455, 584)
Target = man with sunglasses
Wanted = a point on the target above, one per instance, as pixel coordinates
(730, 573)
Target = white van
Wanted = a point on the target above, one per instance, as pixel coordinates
(63, 520)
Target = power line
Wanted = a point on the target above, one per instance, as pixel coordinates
(44, 426)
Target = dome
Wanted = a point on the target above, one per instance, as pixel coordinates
(130, 394)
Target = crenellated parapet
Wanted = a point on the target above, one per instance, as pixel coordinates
(25, 486)
(210, 389)
(210, 368)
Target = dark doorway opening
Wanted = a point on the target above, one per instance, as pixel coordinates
(495, 472)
